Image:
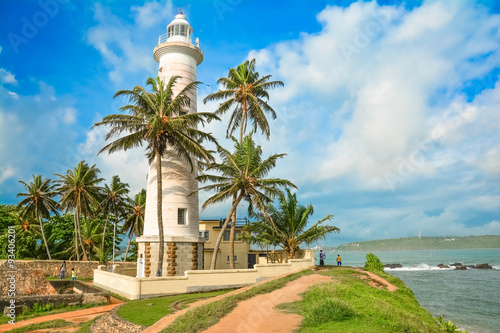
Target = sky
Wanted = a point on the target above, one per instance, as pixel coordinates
(389, 114)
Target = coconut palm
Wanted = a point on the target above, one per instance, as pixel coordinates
(242, 178)
(26, 224)
(159, 119)
(114, 202)
(291, 221)
(134, 221)
(80, 193)
(39, 202)
(245, 91)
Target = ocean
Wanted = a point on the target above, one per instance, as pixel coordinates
(470, 298)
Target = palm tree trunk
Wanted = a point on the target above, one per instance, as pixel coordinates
(104, 231)
(159, 200)
(84, 253)
(224, 226)
(43, 236)
(231, 236)
(114, 237)
(128, 246)
(76, 236)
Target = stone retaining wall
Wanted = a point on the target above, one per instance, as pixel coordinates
(85, 294)
(84, 269)
(112, 323)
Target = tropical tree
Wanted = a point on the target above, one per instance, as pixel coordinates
(134, 221)
(159, 119)
(26, 224)
(242, 177)
(115, 201)
(80, 193)
(244, 91)
(291, 220)
(39, 202)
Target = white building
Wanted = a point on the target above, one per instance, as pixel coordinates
(177, 56)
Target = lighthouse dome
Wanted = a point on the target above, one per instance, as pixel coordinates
(179, 30)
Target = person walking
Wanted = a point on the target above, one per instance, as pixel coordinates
(322, 257)
(339, 260)
(62, 270)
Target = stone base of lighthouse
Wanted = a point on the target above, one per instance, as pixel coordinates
(180, 255)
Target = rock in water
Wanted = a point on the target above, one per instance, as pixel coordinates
(484, 266)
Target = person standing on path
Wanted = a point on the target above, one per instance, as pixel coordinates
(322, 257)
(339, 260)
(73, 274)
(62, 270)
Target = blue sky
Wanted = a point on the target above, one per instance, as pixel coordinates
(389, 115)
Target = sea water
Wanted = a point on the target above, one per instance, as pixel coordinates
(469, 298)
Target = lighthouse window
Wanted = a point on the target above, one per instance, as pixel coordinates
(183, 30)
(176, 29)
(181, 216)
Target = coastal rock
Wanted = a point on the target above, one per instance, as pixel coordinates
(484, 266)
(460, 268)
(443, 266)
(456, 264)
(391, 266)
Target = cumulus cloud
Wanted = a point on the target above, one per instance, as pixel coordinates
(375, 101)
(126, 46)
(7, 77)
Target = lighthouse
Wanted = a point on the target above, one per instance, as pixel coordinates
(183, 249)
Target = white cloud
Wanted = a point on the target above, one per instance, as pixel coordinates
(126, 47)
(13, 94)
(7, 77)
(69, 115)
(152, 13)
(6, 172)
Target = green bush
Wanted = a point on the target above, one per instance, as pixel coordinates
(373, 263)
(449, 326)
(329, 310)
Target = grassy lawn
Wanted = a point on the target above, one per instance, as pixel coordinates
(146, 312)
(208, 315)
(29, 314)
(350, 305)
(347, 304)
(45, 325)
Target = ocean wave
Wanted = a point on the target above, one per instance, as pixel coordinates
(426, 267)
(419, 267)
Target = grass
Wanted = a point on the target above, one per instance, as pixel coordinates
(146, 312)
(48, 324)
(350, 305)
(30, 315)
(85, 328)
(208, 315)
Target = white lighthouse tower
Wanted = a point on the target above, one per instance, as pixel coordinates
(177, 56)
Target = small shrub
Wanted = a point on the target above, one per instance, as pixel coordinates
(329, 310)
(373, 263)
(449, 326)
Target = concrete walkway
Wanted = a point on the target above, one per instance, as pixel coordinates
(74, 316)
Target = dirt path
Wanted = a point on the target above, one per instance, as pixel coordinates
(77, 316)
(375, 279)
(258, 314)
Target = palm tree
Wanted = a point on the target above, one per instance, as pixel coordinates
(291, 220)
(114, 202)
(244, 90)
(242, 178)
(159, 119)
(80, 192)
(134, 222)
(39, 202)
(26, 225)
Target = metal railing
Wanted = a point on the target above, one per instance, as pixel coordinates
(163, 38)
